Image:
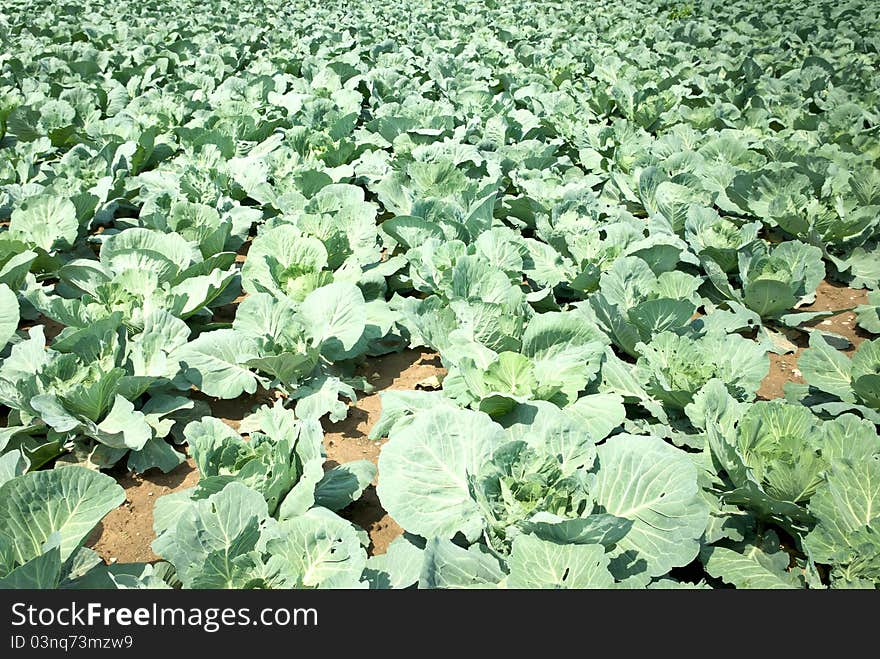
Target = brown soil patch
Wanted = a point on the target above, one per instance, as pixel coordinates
(51, 328)
(836, 296)
(783, 368)
(125, 534)
(226, 313)
(349, 440)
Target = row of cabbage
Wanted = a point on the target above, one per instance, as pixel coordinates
(602, 216)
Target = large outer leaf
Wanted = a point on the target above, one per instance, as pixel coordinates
(744, 364)
(85, 274)
(335, 316)
(596, 529)
(615, 320)
(123, 427)
(866, 372)
(536, 563)
(864, 266)
(15, 270)
(869, 314)
(752, 568)
(207, 535)
(825, 368)
(400, 406)
(155, 453)
(399, 567)
(769, 297)
(68, 501)
(322, 396)
(424, 471)
(8, 315)
(42, 572)
(655, 485)
(654, 316)
(47, 221)
(198, 291)
(213, 362)
(318, 550)
(344, 484)
(12, 464)
(411, 231)
(446, 565)
(598, 414)
(851, 438)
(155, 247)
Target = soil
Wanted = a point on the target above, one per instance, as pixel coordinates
(829, 297)
(349, 440)
(51, 328)
(126, 533)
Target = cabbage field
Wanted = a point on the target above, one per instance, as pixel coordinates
(632, 245)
